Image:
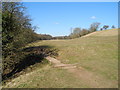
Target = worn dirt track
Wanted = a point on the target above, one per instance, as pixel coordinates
(82, 74)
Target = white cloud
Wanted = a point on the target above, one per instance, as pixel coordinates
(56, 23)
(93, 17)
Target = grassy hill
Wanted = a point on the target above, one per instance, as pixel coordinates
(97, 53)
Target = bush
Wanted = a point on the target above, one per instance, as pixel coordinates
(24, 58)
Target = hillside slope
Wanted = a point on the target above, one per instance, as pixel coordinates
(111, 32)
(97, 54)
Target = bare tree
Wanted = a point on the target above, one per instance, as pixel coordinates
(94, 26)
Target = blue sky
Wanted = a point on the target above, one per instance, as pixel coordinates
(56, 18)
(69, 0)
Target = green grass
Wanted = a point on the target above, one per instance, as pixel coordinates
(97, 54)
(47, 77)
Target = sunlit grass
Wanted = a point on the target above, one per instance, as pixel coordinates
(97, 54)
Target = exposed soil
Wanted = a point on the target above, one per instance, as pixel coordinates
(82, 74)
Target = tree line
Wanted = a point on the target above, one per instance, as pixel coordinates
(78, 32)
(17, 31)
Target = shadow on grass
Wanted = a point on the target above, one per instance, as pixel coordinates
(41, 48)
(31, 56)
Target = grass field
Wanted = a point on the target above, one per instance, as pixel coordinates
(97, 54)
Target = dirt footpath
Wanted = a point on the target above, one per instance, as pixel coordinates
(82, 74)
